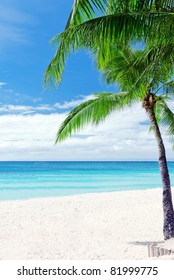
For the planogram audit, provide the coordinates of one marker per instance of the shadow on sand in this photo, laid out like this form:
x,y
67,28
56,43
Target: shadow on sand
x,y
145,243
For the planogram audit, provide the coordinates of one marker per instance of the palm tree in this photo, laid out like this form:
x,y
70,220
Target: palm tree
x,y
100,25
105,23
126,67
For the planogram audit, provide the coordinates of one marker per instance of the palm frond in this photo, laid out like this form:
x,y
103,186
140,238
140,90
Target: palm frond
x,y
93,111
162,61
166,118
104,32
158,111
83,10
125,67
53,73
152,66
168,88
136,5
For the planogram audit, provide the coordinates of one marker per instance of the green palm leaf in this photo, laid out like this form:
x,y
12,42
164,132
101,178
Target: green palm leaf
x,y
125,67
165,116
168,119
122,21
83,10
168,88
103,32
93,111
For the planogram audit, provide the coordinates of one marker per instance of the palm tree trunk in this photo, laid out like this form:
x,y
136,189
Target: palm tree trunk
x,y
168,227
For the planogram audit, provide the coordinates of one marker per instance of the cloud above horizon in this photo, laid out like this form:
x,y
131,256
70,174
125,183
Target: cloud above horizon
x,y
123,136
41,108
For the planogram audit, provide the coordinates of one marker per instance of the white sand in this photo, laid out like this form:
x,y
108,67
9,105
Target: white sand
x,y
99,226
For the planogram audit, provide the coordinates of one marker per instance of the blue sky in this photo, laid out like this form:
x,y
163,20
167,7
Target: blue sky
x,y
30,115
25,52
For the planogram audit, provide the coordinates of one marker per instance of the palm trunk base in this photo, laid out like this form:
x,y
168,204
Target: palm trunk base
x,y
168,228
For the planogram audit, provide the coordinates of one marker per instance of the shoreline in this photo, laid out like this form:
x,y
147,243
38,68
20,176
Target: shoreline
x,y
100,226
81,194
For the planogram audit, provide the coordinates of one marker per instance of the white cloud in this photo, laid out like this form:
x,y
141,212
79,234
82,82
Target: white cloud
x,y
22,109
2,84
73,103
120,137
13,108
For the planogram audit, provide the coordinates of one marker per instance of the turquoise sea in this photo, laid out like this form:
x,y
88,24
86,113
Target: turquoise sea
x,y
21,180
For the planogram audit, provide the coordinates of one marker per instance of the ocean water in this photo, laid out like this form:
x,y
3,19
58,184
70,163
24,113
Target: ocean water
x,y
22,180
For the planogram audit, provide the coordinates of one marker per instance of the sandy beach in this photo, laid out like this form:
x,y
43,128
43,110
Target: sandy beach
x,y
116,225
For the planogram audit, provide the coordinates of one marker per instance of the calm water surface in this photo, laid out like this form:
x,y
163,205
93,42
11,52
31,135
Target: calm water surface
x,y
20,180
